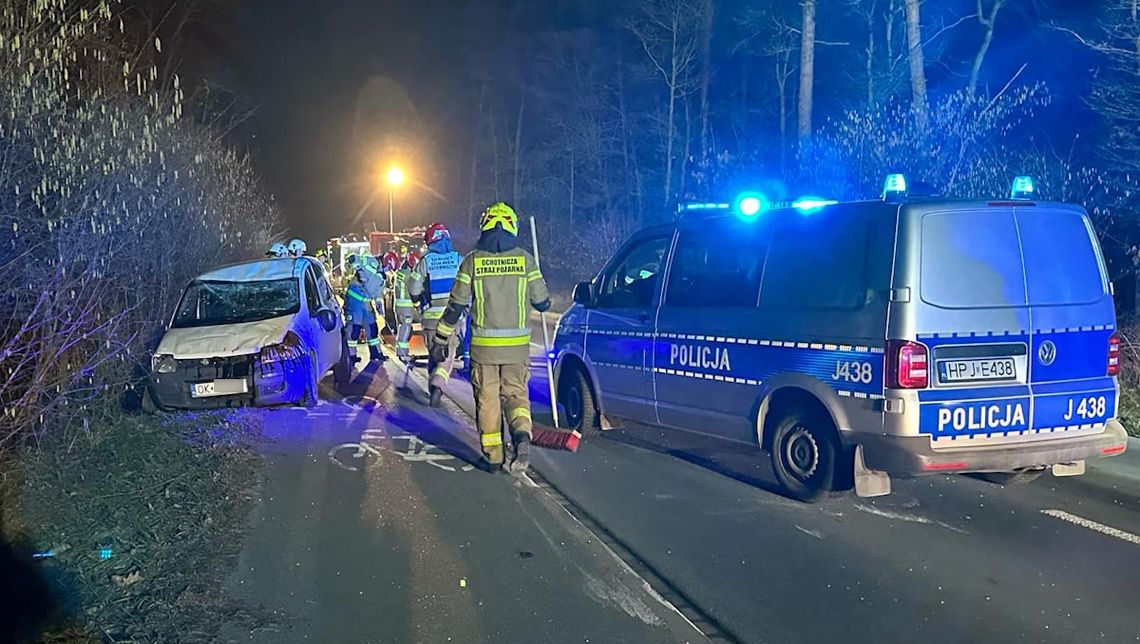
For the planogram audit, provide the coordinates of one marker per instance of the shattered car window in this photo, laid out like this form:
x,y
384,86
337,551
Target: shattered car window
x,y
214,303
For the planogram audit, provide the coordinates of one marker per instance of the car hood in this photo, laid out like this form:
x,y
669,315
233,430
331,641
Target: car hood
x,y
224,340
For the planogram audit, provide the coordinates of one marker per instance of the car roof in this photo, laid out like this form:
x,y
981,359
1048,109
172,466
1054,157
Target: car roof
x,y
257,270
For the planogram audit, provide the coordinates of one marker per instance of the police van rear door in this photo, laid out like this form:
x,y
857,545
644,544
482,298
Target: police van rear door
x,y
1015,312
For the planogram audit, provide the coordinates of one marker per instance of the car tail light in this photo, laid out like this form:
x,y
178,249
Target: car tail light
x,y
1114,355
907,365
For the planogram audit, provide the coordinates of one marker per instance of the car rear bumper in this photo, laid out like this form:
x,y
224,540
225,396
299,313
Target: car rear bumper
x,y
913,455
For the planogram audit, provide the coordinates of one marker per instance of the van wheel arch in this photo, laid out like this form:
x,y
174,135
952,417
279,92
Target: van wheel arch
x,y
573,367
773,404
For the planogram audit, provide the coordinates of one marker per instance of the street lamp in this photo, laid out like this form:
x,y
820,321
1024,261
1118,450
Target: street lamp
x,y
395,177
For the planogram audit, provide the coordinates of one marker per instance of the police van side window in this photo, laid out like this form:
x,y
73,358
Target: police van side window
x,y
632,280
719,268
817,263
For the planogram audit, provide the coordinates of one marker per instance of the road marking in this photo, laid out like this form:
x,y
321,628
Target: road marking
x,y
1093,525
903,516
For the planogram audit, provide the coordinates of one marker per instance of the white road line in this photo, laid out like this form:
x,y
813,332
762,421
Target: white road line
x,y
1093,525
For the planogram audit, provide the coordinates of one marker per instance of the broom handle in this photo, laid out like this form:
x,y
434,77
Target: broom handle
x,y
545,333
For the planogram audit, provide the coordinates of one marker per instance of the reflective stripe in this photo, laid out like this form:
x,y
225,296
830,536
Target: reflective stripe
x,y
533,275
406,303
353,294
444,329
433,314
500,333
373,342
463,277
478,303
520,341
491,440
403,345
443,372
522,303
517,413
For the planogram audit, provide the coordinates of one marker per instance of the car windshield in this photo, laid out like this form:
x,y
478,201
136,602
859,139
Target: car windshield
x,y
214,303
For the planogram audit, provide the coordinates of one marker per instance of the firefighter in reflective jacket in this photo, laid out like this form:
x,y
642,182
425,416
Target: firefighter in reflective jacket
x,y
405,306
499,282
360,314
431,284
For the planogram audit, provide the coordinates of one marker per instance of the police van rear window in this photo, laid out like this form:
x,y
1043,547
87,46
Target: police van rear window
x,y
997,258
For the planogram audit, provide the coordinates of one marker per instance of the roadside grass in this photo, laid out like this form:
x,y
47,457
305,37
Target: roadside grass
x,y
143,521
1130,378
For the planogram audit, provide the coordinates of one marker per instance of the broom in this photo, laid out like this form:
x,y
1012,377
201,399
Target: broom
x,y
550,437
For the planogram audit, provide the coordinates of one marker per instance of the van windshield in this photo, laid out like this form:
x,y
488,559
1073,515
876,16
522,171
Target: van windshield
x,y
214,303
996,258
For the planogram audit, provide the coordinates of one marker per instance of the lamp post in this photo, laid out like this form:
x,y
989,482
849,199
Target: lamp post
x,y
395,177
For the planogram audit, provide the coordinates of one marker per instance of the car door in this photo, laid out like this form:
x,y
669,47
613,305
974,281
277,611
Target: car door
x,y
705,377
619,339
328,342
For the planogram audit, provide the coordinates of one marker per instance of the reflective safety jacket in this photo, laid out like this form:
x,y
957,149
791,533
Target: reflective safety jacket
x,y
432,280
358,305
401,299
372,276
500,289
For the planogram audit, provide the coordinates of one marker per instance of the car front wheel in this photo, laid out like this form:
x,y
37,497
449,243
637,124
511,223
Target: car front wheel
x,y
579,409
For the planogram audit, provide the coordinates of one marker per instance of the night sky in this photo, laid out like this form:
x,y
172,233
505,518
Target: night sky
x,y
341,87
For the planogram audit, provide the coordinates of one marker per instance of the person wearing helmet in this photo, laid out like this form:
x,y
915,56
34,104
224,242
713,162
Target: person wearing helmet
x,y
297,248
277,250
405,307
360,315
370,276
497,281
431,285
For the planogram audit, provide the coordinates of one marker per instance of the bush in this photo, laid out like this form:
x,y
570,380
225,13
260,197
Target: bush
x,y
109,202
1129,405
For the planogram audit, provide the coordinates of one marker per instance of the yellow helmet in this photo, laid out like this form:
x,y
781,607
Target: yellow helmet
x,y
500,213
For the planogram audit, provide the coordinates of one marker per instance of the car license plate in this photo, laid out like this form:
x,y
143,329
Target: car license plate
x,y
977,370
225,387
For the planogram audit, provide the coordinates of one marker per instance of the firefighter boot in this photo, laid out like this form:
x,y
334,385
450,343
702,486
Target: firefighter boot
x,y
435,394
522,455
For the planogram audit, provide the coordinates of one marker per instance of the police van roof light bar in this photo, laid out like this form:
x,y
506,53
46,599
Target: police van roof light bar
x,y
894,187
683,208
1023,188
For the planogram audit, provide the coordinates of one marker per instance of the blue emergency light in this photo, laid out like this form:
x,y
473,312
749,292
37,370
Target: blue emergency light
x,y
894,187
1023,188
703,207
809,205
750,204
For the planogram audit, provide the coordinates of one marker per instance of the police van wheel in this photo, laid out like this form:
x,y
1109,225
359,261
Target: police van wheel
x,y
1019,477
577,398
804,451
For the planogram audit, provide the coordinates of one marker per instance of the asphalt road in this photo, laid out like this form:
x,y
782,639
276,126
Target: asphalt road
x,y
378,554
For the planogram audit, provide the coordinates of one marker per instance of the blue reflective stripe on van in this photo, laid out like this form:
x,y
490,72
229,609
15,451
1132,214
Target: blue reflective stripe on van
x,y
851,370
972,393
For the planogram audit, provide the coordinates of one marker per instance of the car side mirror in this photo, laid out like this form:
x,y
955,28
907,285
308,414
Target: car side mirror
x,y
327,319
584,294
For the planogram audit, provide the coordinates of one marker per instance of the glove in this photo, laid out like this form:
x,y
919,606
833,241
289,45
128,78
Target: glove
x,y
438,350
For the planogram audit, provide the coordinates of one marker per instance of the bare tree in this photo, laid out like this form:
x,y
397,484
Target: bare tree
x,y
917,66
807,69
670,33
987,20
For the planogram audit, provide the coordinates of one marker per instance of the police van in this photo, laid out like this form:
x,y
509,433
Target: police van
x,y
856,341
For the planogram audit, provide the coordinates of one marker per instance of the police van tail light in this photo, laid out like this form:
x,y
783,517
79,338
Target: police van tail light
x,y
907,365
1114,355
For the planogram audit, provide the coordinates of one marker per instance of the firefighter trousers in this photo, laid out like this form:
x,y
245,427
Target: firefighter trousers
x,y
440,372
373,336
499,388
404,319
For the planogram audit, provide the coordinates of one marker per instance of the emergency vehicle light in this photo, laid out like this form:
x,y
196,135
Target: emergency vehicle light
x,y
894,186
1023,188
700,207
750,204
808,205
